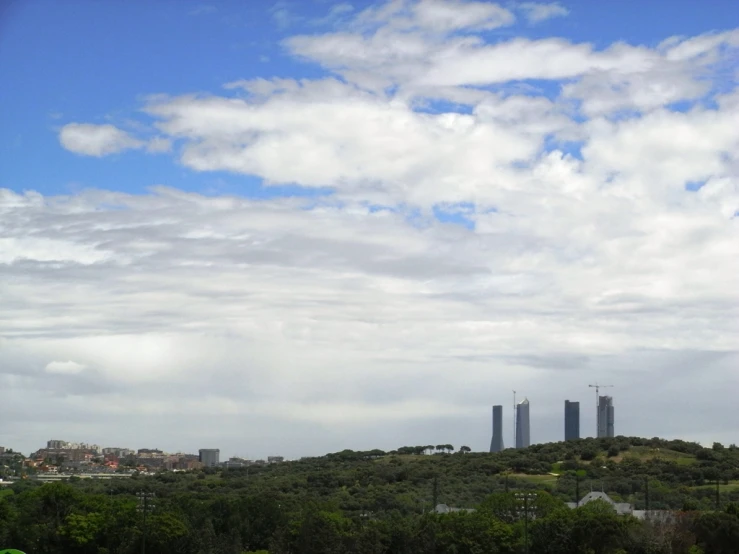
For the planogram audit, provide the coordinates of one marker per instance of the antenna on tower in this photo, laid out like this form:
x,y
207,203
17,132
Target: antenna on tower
x,y
597,388
514,419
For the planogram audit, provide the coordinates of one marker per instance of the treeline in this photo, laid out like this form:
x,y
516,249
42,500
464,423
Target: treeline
x,y
60,518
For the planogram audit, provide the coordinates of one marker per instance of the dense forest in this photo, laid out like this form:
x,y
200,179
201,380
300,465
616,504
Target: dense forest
x,y
383,502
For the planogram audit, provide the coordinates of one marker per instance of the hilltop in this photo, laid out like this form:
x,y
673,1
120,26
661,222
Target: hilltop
x,y
679,474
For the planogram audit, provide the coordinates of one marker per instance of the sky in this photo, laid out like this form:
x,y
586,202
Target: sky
x,y
291,228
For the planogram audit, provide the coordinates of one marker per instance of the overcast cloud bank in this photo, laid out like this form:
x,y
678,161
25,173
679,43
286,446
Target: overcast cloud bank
x,y
528,214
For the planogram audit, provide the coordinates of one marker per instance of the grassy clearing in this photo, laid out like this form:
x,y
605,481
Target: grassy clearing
x,y
645,453
536,479
731,487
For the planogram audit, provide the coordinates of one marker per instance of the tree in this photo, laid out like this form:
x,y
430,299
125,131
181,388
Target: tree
x,y
465,449
717,532
82,529
167,533
472,533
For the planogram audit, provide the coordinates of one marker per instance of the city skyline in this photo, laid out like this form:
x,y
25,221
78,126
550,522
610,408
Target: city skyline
x,y
605,418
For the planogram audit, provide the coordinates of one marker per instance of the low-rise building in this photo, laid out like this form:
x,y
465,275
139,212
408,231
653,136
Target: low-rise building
x,y
61,455
444,509
236,462
622,508
117,451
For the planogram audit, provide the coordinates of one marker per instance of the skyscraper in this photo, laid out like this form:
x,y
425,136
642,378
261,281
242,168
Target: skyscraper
x,y
605,416
572,420
496,444
523,429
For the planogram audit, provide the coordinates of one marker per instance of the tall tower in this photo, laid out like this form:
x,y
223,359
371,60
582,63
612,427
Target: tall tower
x,y
496,444
523,428
606,417
572,420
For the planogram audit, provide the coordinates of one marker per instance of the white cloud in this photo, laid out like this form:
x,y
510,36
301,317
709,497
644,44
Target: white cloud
x,y
64,368
283,14
336,14
435,16
159,144
538,12
450,15
96,140
680,75
586,256
47,249
289,311
309,137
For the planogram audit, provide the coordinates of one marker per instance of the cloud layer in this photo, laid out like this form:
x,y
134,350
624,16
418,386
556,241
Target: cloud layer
x,y
515,213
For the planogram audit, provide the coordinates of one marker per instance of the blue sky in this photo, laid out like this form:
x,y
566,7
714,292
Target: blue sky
x,y
298,227
95,61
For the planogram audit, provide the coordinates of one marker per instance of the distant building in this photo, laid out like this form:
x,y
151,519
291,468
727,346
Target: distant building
x,y
621,508
572,420
235,462
56,445
605,417
444,509
62,455
275,459
523,426
209,457
496,444
117,451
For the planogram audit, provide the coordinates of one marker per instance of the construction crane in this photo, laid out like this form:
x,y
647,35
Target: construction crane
x,y
597,388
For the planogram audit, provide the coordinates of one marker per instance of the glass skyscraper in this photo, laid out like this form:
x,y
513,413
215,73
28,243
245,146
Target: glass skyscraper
x,y
496,444
572,420
606,416
523,427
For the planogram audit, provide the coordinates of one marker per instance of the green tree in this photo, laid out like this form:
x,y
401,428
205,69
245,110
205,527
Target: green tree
x,y
717,532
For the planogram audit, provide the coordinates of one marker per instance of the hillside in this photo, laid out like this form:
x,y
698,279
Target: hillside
x,y
381,503
678,473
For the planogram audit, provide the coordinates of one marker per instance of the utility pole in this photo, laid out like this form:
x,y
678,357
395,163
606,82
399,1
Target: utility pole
x,y
145,504
525,497
718,495
646,492
514,419
435,493
597,388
